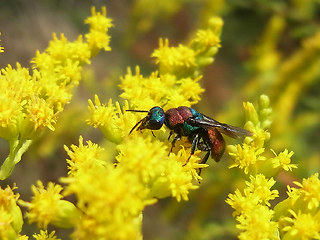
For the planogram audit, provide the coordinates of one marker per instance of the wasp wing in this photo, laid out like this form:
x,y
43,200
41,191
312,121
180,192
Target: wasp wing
x,y
231,131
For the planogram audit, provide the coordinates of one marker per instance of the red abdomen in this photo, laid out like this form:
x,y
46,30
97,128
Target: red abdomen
x,y
217,144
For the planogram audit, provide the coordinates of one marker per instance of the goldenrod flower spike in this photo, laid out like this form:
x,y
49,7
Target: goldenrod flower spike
x,y
172,59
283,160
301,226
114,122
299,213
255,219
10,214
44,235
110,198
47,206
32,99
98,38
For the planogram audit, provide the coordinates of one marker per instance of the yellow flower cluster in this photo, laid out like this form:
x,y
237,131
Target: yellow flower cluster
x,y
252,209
296,217
111,186
164,89
109,195
44,235
47,207
10,214
299,214
186,60
144,168
99,24
249,156
112,190
32,99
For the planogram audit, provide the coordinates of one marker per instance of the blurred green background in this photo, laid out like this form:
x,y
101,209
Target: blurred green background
x,y
268,47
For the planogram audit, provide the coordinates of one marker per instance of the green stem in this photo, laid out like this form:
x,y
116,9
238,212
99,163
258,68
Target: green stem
x,y
17,148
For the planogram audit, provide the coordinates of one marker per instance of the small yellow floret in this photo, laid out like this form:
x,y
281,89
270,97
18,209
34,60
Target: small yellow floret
x,y
44,202
98,38
84,156
245,157
258,224
44,235
303,226
310,191
261,186
172,57
283,160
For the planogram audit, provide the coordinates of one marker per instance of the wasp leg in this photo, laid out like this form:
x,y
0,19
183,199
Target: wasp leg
x,y
171,132
204,160
203,146
194,144
173,143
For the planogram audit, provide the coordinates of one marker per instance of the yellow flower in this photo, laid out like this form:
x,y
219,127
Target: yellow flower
x,y
99,26
31,101
303,226
143,92
207,38
242,203
245,157
144,169
23,237
17,87
249,155
283,160
172,59
114,122
111,200
206,42
261,186
44,235
257,224
6,229
10,214
47,207
10,114
176,180
257,192
179,181
84,156
40,113
164,173
147,92
147,164
310,191
258,122
185,84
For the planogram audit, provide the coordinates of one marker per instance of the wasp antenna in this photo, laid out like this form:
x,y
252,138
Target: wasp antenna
x,y
135,126
132,110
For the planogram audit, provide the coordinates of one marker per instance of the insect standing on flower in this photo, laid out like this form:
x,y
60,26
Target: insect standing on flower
x,y
204,133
